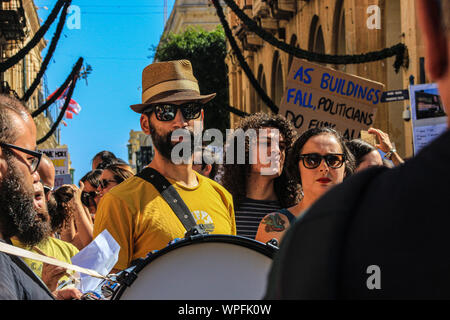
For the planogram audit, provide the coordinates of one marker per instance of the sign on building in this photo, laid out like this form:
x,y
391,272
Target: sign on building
x,y
318,96
428,116
59,158
62,179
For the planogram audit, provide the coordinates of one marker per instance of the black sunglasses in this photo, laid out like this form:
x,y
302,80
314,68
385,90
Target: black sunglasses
x,y
104,183
87,198
168,111
313,160
33,164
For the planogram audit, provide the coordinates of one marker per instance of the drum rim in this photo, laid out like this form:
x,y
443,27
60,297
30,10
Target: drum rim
x,y
258,246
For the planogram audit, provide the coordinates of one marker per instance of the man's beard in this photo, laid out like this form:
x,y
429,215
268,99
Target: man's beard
x,y
164,144
18,216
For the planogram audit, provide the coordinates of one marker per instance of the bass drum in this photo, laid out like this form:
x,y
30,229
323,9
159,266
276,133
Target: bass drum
x,y
205,267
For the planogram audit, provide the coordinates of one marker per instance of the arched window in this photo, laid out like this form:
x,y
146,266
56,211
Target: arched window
x,y
277,79
316,40
293,43
260,105
339,40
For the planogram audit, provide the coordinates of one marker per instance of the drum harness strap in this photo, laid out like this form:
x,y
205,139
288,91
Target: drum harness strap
x,y
178,206
173,199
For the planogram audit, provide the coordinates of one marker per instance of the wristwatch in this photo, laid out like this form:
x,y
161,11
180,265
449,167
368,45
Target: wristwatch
x,y
390,153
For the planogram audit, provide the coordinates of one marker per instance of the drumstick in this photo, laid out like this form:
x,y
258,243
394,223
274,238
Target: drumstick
x,y
4,247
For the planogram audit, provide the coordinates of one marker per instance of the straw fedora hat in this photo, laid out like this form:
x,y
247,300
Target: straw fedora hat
x,y
169,81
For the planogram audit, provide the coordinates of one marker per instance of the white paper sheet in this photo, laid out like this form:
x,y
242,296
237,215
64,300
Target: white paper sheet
x,y
100,255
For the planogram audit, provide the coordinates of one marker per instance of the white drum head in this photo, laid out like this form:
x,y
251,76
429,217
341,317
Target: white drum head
x,y
203,271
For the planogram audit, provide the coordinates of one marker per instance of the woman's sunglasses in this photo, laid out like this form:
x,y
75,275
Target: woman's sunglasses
x,y
313,160
168,111
105,183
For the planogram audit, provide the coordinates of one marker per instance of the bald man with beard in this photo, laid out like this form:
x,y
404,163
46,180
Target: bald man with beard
x,y
20,216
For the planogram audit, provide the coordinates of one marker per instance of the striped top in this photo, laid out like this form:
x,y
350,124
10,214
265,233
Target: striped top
x,y
249,214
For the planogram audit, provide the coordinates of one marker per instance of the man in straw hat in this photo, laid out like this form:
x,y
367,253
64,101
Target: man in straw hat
x,y
134,212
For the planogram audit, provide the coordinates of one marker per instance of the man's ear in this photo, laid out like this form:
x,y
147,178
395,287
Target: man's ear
x,y
145,124
434,37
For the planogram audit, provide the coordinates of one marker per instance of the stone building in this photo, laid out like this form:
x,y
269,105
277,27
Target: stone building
x,y
334,27
187,13
19,22
140,150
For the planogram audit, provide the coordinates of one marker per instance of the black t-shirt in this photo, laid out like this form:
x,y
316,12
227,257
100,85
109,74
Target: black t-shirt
x,y
381,234
15,284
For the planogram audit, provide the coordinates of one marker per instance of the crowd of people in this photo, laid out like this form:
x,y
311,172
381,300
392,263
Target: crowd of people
x,y
239,201
304,188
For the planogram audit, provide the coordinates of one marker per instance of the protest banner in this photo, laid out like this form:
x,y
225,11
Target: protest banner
x,y
60,159
318,96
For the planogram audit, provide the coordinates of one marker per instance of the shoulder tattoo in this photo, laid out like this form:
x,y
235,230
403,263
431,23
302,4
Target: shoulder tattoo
x,y
274,223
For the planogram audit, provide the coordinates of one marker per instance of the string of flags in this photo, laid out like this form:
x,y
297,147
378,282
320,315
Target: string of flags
x,y
73,108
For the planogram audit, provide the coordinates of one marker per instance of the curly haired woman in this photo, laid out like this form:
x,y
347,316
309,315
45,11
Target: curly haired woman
x,y
257,187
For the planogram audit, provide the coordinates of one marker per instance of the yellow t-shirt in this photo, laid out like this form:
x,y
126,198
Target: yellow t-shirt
x,y
141,221
52,247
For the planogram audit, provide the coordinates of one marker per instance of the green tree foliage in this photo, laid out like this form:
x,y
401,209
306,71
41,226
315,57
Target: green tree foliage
x,y
206,50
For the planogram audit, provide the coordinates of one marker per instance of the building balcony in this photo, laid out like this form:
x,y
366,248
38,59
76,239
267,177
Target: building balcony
x,y
12,20
282,9
249,40
260,8
6,89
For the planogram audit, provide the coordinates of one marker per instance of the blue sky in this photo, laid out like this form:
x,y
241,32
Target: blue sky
x,y
114,38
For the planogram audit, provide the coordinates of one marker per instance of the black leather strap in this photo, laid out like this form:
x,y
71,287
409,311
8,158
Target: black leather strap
x,y
172,198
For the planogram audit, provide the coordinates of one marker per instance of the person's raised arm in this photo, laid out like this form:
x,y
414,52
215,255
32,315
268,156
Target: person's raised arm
x,y
385,145
83,221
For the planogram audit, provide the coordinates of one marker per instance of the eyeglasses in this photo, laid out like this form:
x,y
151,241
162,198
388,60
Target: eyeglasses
x,y
168,111
105,183
33,163
313,160
87,198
